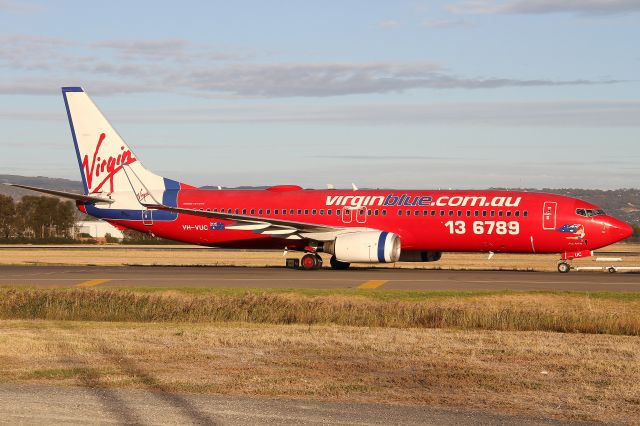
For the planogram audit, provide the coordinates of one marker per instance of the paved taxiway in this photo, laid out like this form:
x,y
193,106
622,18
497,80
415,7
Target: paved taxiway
x,y
239,277
34,404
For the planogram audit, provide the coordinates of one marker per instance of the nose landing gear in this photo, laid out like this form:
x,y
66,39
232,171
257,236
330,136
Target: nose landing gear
x,y
563,267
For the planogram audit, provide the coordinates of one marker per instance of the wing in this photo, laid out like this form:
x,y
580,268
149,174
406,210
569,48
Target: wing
x,y
262,225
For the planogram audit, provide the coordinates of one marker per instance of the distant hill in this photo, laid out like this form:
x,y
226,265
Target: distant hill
x,y
621,203
41,181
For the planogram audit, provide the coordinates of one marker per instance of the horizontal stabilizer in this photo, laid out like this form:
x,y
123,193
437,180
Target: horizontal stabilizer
x,y
69,195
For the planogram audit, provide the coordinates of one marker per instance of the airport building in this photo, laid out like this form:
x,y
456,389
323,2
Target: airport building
x,y
97,229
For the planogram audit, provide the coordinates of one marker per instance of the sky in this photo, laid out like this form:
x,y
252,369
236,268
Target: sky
x,y
394,94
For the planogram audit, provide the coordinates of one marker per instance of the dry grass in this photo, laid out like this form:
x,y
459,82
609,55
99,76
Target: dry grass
x,y
570,376
104,256
558,312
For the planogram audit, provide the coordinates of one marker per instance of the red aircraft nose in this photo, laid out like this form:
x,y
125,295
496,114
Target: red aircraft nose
x,y
618,230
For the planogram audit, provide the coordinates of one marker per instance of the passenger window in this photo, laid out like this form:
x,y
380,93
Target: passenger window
x,y
260,212
442,213
468,213
313,212
399,212
237,211
459,212
493,213
329,212
384,212
291,212
508,214
518,213
369,212
244,211
338,212
306,211
500,213
484,213
276,212
229,211
416,213
208,210
376,212
268,211
433,212
450,212
526,213
321,212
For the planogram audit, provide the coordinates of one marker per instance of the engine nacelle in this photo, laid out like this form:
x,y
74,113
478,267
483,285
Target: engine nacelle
x,y
365,247
420,256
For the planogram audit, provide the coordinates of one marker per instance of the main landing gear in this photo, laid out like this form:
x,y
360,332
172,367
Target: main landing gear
x,y
311,261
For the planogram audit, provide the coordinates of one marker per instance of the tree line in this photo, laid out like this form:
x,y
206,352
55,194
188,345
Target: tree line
x,y
40,219
36,218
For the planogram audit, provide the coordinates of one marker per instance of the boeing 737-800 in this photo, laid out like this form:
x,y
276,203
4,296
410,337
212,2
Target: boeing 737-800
x,y
370,226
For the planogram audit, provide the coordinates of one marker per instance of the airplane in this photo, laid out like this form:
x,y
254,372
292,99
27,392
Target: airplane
x,y
353,226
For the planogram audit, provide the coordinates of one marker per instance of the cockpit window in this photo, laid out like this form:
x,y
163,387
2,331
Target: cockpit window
x,y
589,212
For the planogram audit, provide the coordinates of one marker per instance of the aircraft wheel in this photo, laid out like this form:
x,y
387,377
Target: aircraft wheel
x,y
309,261
563,267
336,264
612,270
318,261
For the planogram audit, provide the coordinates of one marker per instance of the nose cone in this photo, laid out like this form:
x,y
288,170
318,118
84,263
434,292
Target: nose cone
x,y
618,230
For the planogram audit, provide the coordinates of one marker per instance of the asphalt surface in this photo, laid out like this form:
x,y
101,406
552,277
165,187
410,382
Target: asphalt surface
x,y
239,277
37,404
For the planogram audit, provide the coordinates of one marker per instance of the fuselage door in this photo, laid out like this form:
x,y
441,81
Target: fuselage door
x,y
147,217
347,215
549,215
361,215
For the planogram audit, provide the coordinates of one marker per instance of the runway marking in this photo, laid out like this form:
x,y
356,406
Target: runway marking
x,y
91,283
373,284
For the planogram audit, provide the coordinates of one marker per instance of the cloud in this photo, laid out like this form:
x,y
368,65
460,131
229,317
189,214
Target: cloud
x,y
582,7
591,113
339,79
389,24
21,7
169,49
447,23
180,66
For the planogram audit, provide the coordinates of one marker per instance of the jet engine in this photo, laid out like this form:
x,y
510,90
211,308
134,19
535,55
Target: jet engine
x,y
365,247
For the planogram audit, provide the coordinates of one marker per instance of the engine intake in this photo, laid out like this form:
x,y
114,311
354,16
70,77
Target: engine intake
x,y
365,247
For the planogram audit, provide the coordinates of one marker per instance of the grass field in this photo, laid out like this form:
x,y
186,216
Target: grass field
x,y
568,376
562,312
105,256
567,355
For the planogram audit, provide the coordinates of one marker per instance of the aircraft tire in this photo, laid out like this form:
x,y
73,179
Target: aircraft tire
x,y
309,261
336,264
563,267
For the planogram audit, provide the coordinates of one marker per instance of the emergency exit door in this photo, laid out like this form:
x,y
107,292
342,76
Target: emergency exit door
x,y
549,215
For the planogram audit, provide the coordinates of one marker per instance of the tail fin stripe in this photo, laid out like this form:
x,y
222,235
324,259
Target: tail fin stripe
x,y
73,132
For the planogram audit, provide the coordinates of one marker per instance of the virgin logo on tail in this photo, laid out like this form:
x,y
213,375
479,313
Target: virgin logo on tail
x,y
105,168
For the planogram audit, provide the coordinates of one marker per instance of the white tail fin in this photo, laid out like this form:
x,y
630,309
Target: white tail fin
x,y
100,149
102,154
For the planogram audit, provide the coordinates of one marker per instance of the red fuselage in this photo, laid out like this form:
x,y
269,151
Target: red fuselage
x,y
429,220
